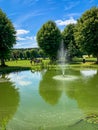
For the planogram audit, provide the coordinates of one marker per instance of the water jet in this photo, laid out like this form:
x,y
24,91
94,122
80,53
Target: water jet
x,y
62,63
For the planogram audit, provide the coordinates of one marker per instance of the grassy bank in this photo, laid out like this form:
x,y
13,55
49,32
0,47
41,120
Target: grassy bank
x,y
26,65
15,66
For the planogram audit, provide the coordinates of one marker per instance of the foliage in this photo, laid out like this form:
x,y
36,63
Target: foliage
x,y
27,54
21,56
69,41
49,39
7,36
42,54
15,54
24,54
34,53
86,34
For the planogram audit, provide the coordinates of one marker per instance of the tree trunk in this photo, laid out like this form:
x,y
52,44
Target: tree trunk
x,y
2,62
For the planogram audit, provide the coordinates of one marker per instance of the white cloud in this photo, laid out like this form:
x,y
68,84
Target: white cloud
x,y
26,42
29,38
20,38
22,31
25,39
66,22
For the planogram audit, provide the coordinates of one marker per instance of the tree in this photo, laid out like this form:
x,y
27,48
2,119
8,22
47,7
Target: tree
x,y
21,56
27,53
34,53
49,39
42,54
7,37
69,41
87,31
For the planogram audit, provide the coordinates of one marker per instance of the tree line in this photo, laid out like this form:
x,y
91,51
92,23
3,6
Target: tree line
x,y
25,54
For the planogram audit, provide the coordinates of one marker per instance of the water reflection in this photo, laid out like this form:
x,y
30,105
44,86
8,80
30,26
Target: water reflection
x,y
88,72
84,89
49,89
85,92
9,100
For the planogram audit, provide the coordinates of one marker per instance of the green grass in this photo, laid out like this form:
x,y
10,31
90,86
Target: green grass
x,y
22,63
16,66
88,59
25,65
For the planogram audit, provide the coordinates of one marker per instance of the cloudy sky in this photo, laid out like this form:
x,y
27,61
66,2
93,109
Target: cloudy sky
x,y
29,15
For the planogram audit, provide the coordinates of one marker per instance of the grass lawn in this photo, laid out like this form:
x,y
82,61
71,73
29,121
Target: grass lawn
x,y
16,66
22,65
19,63
26,65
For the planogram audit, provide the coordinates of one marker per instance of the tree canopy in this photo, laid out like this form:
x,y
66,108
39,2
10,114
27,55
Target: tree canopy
x,y
7,36
86,34
49,39
69,41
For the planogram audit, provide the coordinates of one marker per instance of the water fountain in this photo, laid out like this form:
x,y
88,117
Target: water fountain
x,y
62,63
62,58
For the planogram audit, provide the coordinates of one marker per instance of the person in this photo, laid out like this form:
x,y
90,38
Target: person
x,y
31,61
84,60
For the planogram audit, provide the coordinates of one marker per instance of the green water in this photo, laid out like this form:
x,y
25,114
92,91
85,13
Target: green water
x,y
38,101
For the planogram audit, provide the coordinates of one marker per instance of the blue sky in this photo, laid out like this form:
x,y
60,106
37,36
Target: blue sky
x,y
29,15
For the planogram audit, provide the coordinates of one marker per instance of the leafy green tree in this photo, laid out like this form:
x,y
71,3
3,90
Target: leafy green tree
x,y
21,56
15,54
86,34
49,39
7,37
42,54
69,41
27,53
34,53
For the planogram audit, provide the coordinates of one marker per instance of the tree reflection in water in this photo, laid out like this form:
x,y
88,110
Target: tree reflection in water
x,y
9,100
49,89
85,92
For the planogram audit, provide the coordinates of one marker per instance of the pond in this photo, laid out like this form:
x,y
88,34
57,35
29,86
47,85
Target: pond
x,y
43,101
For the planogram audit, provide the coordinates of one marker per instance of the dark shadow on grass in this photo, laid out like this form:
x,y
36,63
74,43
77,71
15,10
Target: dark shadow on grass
x,y
8,69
